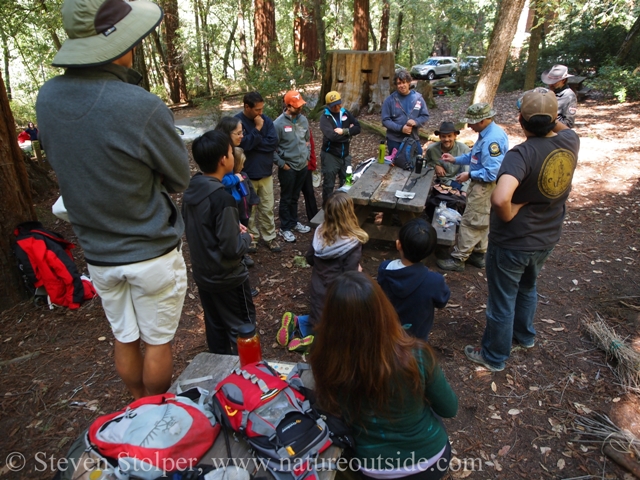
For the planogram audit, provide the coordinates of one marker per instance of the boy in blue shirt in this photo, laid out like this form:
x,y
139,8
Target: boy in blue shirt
x,y
411,287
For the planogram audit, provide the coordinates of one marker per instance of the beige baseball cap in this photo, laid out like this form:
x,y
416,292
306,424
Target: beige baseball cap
x,y
100,31
539,101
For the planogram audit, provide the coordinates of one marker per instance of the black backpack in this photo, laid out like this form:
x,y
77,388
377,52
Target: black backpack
x,y
407,153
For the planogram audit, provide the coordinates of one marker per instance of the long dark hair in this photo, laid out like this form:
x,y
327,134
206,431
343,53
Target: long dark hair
x,y
361,351
227,125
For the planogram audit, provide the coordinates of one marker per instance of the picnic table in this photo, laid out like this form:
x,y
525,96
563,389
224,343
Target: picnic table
x,y
206,370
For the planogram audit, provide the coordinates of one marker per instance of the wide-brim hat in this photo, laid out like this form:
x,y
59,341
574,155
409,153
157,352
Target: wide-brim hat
x,y
478,112
447,127
100,31
555,74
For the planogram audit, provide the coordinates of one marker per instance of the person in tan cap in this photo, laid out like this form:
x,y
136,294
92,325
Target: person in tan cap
x,y
526,222
116,178
556,79
292,157
338,126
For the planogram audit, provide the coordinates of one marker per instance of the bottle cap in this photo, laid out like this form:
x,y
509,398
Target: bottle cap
x,y
381,142
246,330
349,170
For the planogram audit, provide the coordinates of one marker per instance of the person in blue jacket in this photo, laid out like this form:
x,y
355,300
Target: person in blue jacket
x,y
404,112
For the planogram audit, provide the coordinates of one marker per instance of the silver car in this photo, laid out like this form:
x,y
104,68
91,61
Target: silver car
x,y
435,67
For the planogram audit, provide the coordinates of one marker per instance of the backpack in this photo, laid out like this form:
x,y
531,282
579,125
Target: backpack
x,y
274,418
407,154
45,260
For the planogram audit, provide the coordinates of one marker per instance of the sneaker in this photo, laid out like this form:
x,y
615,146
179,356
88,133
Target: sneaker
x,y
253,248
274,246
300,344
287,235
285,332
301,228
248,261
451,264
522,345
477,260
475,355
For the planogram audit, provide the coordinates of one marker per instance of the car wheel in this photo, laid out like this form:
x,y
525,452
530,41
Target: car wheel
x,y
453,74
431,75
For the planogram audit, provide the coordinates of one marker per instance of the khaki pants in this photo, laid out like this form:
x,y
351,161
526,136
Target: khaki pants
x,y
473,235
261,220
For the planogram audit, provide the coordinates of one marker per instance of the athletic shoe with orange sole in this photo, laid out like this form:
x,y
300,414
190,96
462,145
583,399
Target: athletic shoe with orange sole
x,y
285,332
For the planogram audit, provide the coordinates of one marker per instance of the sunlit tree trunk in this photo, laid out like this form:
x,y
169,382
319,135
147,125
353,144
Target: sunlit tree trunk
x,y
396,41
265,47
5,57
384,25
305,35
15,202
534,49
242,38
360,25
498,52
176,75
628,42
227,50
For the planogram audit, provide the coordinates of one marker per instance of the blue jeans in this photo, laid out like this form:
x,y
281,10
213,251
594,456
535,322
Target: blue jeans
x,y
511,306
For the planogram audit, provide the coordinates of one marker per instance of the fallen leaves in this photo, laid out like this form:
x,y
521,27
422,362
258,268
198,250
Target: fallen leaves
x,y
514,411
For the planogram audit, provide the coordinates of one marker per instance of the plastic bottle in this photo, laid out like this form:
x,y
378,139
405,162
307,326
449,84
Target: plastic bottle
x,y
382,151
349,180
249,349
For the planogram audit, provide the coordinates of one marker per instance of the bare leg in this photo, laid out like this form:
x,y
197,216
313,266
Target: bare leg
x,y
158,368
129,362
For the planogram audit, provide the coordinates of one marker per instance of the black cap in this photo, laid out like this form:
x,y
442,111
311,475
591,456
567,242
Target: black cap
x,y
246,330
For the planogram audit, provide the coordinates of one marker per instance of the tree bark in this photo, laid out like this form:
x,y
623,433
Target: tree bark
x,y
384,25
140,66
374,41
499,48
227,50
265,46
360,25
242,38
196,14
5,56
396,41
15,202
441,46
318,9
628,42
164,66
175,66
305,35
534,49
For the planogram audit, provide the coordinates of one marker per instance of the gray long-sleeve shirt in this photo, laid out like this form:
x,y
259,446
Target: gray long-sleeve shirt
x,y
293,141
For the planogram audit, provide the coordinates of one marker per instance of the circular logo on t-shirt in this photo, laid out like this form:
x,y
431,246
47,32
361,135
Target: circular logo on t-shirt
x,y
556,173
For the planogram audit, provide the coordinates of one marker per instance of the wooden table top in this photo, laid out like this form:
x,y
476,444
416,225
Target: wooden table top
x,y
378,185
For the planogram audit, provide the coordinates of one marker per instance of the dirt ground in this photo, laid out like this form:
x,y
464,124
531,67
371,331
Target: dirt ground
x,y
518,423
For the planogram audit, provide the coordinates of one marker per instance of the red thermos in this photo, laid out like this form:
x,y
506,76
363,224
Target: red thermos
x,y
248,344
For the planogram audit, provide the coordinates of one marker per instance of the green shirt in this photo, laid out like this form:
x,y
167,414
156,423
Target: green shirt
x,y
434,152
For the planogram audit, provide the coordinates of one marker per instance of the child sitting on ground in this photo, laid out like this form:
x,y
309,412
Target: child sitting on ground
x,y
217,243
413,289
336,248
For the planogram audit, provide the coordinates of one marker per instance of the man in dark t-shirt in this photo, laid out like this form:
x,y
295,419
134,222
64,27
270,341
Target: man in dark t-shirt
x,y
528,207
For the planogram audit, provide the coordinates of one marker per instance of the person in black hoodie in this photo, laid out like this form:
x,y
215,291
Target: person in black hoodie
x,y
411,287
217,244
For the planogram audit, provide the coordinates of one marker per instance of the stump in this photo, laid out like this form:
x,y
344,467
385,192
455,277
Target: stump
x,y
364,79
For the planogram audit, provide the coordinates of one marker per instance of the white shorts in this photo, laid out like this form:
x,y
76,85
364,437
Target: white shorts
x,y
143,300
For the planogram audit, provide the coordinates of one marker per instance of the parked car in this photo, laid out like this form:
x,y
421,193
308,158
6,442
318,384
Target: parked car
x,y
472,64
435,67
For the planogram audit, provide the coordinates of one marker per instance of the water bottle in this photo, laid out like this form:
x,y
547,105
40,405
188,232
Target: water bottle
x,y
249,349
382,151
349,180
419,164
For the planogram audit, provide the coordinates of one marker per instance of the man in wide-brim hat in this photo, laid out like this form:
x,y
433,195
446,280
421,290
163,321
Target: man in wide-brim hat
x,y
445,171
484,161
556,79
117,156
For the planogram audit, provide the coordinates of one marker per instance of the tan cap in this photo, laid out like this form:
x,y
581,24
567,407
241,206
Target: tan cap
x,y
539,101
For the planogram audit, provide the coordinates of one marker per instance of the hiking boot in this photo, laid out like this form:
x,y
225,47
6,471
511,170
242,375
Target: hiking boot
x,y
274,246
301,228
285,332
253,248
248,261
477,260
475,355
300,344
287,235
451,264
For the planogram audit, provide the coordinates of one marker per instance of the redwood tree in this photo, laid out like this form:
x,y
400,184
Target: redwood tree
x,y
499,47
265,47
305,34
176,77
361,25
15,201
384,25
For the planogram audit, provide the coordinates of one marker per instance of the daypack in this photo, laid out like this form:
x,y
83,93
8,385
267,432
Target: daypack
x,y
45,260
152,436
407,153
274,418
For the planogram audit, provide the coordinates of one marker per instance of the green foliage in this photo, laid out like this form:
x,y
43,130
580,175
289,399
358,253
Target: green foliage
x,y
513,75
23,113
619,81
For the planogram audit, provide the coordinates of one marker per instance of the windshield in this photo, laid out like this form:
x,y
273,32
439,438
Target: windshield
x,y
431,61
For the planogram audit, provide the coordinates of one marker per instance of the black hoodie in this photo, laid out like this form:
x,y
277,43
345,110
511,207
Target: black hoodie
x,y
414,291
213,233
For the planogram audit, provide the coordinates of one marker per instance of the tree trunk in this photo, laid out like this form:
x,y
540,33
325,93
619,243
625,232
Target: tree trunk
x,y
243,39
227,50
140,66
374,41
318,9
305,35
5,56
441,46
499,47
396,41
628,42
15,202
196,12
265,46
176,76
384,25
360,24
534,49
164,67
52,31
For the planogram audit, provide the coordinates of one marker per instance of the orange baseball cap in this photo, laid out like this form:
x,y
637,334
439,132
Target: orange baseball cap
x,y
294,99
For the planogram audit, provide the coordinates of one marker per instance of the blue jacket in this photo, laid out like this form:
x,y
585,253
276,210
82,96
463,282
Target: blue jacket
x,y
394,117
258,146
486,156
